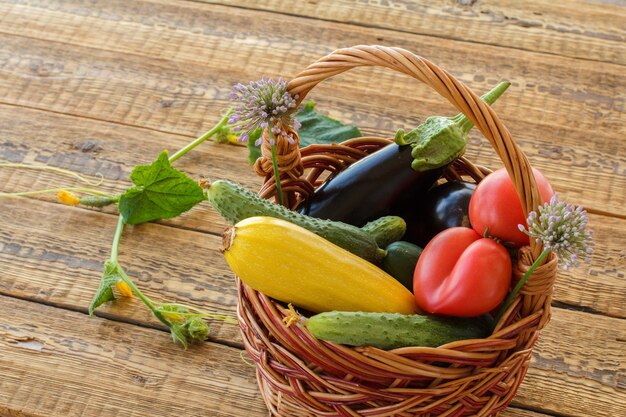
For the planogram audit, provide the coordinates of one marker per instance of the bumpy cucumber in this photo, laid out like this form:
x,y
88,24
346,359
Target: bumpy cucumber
x,y
400,262
386,230
235,203
391,331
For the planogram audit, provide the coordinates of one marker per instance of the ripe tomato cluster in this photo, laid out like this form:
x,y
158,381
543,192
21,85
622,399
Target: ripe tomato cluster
x,y
466,272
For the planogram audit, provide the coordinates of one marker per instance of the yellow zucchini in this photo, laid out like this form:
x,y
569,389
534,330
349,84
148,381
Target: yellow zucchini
x,y
293,265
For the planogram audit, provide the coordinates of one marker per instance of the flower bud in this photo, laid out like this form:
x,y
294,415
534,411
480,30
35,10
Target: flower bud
x,y
124,289
68,197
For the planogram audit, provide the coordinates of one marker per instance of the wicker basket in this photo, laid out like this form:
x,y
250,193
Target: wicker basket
x,y
302,376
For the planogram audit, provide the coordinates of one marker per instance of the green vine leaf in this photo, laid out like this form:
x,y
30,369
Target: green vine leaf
x,y
104,294
179,336
160,192
319,128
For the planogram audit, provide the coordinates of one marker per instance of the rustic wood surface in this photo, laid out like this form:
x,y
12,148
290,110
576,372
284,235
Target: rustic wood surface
x,y
98,87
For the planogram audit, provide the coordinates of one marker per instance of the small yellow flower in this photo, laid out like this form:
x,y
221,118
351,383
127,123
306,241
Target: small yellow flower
x,y
67,197
173,317
234,140
124,289
171,312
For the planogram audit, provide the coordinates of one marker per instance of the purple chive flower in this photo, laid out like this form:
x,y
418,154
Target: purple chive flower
x,y
562,228
263,103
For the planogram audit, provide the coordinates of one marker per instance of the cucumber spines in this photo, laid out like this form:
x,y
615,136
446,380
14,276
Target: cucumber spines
x,y
391,331
386,230
235,203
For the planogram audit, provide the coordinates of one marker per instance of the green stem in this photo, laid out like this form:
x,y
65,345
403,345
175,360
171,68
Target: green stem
x,y
203,137
279,188
520,284
116,238
126,278
196,312
466,124
142,297
54,169
56,190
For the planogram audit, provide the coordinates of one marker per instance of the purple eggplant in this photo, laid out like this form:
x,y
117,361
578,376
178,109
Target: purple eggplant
x,y
402,171
442,207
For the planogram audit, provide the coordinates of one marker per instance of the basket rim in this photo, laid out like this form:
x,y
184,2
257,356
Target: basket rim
x,y
449,87
302,376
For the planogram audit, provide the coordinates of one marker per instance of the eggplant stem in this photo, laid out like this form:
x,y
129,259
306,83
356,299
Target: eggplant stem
x,y
466,124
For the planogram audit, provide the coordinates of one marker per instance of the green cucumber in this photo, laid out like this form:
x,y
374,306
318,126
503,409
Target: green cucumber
x,y
386,230
235,203
400,261
391,331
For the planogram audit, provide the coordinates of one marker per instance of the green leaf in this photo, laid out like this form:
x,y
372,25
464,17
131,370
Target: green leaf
x,y
105,294
318,128
160,192
192,330
196,329
179,335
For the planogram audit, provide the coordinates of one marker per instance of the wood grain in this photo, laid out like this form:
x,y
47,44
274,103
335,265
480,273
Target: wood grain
x,y
103,86
574,28
92,147
588,354
598,287
55,362
52,254
174,73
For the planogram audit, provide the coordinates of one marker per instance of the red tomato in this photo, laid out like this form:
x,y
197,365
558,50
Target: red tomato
x,y
461,274
495,205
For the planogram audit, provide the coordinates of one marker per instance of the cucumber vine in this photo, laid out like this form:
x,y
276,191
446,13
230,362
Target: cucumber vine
x,y
159,191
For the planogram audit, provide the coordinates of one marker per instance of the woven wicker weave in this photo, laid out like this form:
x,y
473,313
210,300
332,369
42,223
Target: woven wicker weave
x,y
302,376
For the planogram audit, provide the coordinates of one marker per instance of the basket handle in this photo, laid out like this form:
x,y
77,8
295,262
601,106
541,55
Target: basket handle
x,y
461,97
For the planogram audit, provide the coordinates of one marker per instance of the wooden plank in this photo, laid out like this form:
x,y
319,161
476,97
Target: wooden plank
x,y
51,254
559,380
93,147
71,366
114,151
589,285
34,247
173,77
590,374
54,254
519,412
55,362
575,28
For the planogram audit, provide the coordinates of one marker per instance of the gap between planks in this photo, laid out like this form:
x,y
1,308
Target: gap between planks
x,y
133,374
591,210
572,152
595,286
361,23
95,119
110,315
366,25
99,367
594,373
